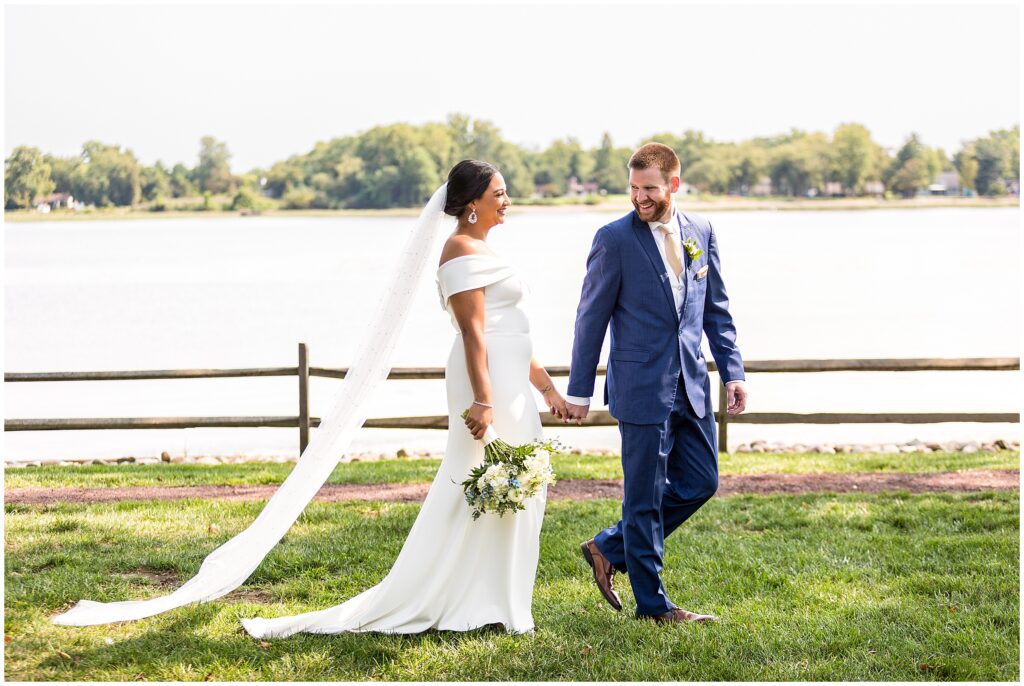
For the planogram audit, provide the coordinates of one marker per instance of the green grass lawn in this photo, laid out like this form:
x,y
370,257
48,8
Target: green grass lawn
x,y
409,471
811,587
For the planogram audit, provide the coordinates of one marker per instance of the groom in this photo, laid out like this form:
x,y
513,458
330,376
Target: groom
x,y
654,275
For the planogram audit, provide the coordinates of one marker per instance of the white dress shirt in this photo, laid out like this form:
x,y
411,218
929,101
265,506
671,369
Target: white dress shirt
x,y
676,283
659,238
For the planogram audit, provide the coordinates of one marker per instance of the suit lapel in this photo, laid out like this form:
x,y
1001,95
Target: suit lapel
x,y
687,229
643,234
684,278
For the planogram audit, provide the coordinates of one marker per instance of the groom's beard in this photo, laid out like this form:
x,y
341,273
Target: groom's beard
x,y
659,210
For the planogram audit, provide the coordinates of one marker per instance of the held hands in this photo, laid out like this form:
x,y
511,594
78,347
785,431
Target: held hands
x,y
736,394
575,413
478,419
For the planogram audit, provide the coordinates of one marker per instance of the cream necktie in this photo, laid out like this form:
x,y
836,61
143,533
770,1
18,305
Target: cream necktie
x,y
672,250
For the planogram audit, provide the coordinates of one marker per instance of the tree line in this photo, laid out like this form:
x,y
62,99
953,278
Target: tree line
x,y
399,165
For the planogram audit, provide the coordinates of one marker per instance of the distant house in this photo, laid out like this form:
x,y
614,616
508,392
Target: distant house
x,y
762,187
833,188
574,187
874,188
946,183
546,190
55,201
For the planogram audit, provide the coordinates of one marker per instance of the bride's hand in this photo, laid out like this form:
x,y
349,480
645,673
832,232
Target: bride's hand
x,y
478,419
555,402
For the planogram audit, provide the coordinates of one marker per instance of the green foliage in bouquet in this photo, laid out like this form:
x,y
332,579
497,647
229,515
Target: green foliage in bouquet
x,y
509,475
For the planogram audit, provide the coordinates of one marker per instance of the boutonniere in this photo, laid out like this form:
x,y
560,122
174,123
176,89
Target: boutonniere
x,y
691,248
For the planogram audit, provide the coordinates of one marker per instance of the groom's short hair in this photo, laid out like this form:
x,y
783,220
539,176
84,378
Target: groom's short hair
x,y
658,156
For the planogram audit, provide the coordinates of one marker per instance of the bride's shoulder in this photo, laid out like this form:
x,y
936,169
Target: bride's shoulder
x,y
467,264
463,246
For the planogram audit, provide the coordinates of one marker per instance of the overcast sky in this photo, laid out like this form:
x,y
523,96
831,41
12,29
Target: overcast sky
x,y
271,81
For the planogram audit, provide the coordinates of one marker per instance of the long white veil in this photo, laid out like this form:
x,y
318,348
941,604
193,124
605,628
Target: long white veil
x,y
227,567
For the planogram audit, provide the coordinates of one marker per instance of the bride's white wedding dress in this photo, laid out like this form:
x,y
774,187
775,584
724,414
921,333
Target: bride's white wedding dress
x,y
454,573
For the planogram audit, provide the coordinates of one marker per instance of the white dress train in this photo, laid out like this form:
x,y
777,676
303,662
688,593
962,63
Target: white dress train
x,y
454,573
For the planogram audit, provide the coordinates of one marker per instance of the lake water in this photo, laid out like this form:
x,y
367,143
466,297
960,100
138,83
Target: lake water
x,y
243,291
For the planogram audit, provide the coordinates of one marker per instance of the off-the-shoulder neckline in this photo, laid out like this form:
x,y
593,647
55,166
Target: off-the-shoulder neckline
x,y
462,257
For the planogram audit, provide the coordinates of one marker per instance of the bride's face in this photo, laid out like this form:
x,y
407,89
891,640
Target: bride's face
x,y
493,204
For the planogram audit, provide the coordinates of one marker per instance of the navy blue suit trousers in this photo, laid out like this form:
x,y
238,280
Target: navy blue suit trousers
x,y
670,470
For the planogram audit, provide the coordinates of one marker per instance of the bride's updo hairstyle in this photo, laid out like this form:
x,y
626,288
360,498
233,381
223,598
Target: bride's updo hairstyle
x,y
467,181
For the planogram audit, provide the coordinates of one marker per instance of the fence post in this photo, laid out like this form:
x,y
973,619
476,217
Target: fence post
x,y
723,420
303,398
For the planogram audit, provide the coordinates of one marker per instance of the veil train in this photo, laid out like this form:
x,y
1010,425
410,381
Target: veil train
x,y
227,567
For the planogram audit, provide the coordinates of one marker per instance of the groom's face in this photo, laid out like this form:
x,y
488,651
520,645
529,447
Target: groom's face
x,y
651,193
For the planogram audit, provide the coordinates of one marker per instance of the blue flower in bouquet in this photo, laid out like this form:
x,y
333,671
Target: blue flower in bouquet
x,y
509,475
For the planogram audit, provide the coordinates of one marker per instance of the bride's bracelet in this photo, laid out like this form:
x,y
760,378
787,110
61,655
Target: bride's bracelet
x,y
477,402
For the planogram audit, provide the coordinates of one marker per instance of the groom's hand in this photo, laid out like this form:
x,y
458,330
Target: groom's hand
x,y
576,412
736,393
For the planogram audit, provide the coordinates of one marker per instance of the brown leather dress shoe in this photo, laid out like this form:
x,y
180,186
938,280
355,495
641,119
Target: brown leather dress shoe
x,y
679,615
604,573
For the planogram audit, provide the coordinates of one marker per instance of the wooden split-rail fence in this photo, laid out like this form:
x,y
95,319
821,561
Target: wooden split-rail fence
x,y
304,421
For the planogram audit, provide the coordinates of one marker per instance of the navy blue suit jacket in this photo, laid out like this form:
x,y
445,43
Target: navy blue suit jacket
x,y
651,343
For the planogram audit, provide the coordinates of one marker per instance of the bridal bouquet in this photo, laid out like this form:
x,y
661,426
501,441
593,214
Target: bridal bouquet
x,y
508,475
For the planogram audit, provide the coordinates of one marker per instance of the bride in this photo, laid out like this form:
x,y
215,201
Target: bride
x,y
453,573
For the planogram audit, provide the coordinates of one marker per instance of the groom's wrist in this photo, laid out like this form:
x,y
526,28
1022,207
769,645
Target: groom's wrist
x,y
577,400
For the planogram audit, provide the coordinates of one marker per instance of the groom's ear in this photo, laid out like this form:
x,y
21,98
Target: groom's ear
x,y
673,183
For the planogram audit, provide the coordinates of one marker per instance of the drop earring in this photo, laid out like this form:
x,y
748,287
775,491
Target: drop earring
x,y
472,217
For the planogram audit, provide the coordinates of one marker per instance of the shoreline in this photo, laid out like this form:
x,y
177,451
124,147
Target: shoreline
x,y
723,205
756,446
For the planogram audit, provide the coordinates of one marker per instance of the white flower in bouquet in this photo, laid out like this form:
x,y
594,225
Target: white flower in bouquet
x,y
509,474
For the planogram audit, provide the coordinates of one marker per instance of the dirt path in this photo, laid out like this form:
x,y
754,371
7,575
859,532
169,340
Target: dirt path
x,y
577,489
